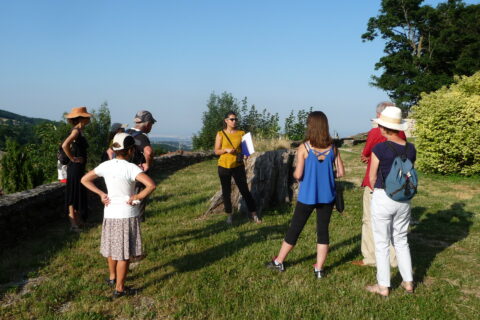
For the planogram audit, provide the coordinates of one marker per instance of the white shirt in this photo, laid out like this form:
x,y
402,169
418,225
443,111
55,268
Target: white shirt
x,y
119,177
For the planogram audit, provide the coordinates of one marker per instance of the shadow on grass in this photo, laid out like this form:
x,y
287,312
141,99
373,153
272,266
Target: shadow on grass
x,y
197,261
22,261
346,258
435,233
345,185
27,255
192,235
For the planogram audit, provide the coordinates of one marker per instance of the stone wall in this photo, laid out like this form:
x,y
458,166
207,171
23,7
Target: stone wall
x,y
31,209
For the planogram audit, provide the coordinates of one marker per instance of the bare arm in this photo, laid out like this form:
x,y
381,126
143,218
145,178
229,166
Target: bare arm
x,y
218,146
149,187
66,147
339,165
110,153
148,154
87,181
302,153
373,169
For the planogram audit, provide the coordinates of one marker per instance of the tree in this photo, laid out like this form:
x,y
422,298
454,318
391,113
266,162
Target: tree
x,y
43,154
447,126
295,126
425,46
97,134
217,107
261,125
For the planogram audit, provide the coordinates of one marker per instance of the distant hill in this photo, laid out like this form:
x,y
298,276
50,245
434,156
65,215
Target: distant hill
x,y
5,116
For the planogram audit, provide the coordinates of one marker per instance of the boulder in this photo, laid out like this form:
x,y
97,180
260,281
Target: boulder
x,y
270,180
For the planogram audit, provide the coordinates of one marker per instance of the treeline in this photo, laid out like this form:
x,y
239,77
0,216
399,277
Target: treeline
x,y
262,124
425,46
30,160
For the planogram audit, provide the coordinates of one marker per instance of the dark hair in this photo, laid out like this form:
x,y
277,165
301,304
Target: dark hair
x,y
317,130
75,121
227,115
124,152
112,134
389,131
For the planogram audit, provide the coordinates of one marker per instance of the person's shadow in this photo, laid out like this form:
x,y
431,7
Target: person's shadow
x,y
434,234
196,261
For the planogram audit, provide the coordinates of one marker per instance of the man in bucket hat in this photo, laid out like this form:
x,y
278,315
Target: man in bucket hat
x,y
143,156
368,247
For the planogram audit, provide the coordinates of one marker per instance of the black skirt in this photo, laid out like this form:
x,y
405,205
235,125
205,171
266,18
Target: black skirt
x,y
76,193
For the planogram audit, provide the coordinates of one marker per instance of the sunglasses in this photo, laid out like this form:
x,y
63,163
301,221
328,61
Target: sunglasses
x,y
233,119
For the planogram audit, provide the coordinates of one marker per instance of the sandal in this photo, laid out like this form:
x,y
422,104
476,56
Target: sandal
x,y
110,282
408,286
384,292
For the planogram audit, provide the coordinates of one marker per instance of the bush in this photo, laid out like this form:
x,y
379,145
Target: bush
x,y
447,128
17,172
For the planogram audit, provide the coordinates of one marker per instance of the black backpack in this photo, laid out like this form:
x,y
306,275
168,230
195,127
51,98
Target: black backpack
x,y
62,156
138,157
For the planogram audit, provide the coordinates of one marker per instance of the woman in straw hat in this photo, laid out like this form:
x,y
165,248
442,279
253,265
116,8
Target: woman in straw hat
x,y
390,218
75,147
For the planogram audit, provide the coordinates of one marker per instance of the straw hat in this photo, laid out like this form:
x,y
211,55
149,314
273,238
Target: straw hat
x,y
78,112
391,118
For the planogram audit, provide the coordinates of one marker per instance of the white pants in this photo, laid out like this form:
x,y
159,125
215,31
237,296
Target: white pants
x,y
390,220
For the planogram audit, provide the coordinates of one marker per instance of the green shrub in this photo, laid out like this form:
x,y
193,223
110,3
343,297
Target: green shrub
x,y
447,127
17,170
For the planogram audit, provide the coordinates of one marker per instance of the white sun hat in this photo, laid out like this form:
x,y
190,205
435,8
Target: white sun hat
x,y
391,118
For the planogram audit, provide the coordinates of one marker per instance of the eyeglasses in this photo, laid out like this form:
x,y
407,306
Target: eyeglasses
x,y
233,119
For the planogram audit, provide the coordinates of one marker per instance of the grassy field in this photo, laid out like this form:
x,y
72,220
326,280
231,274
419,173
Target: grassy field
x,y
204,269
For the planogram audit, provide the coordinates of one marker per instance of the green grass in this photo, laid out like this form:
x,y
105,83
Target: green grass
x,y
203,269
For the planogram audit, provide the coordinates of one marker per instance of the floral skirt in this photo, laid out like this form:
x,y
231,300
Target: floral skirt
x,y
121,239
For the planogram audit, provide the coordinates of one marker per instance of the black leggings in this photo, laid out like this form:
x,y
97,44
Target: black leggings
x,y
240,178
300,217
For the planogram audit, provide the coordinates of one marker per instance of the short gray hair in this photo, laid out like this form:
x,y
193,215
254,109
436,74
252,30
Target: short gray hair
x,y
382,105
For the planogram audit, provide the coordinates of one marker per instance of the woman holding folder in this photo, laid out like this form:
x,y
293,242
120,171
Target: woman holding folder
x,y
230,164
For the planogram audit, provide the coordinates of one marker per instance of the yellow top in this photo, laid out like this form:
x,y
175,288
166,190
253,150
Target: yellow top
x,y
228,160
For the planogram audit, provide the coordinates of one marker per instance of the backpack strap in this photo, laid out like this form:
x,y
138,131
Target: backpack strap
x,y
134,133
395,151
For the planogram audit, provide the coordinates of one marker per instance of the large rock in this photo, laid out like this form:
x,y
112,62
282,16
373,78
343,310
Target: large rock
x,y
270,180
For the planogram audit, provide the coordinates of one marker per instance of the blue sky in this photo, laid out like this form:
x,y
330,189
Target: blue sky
x,y
169,56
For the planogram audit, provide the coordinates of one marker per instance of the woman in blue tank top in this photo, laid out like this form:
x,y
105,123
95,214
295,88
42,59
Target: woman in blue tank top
x,y
316,158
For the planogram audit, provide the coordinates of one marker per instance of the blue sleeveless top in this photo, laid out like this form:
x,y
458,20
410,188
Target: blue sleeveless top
x,y
318,183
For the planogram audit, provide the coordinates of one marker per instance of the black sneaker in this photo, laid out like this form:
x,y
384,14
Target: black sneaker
x,y
272,265
126,292
319,274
